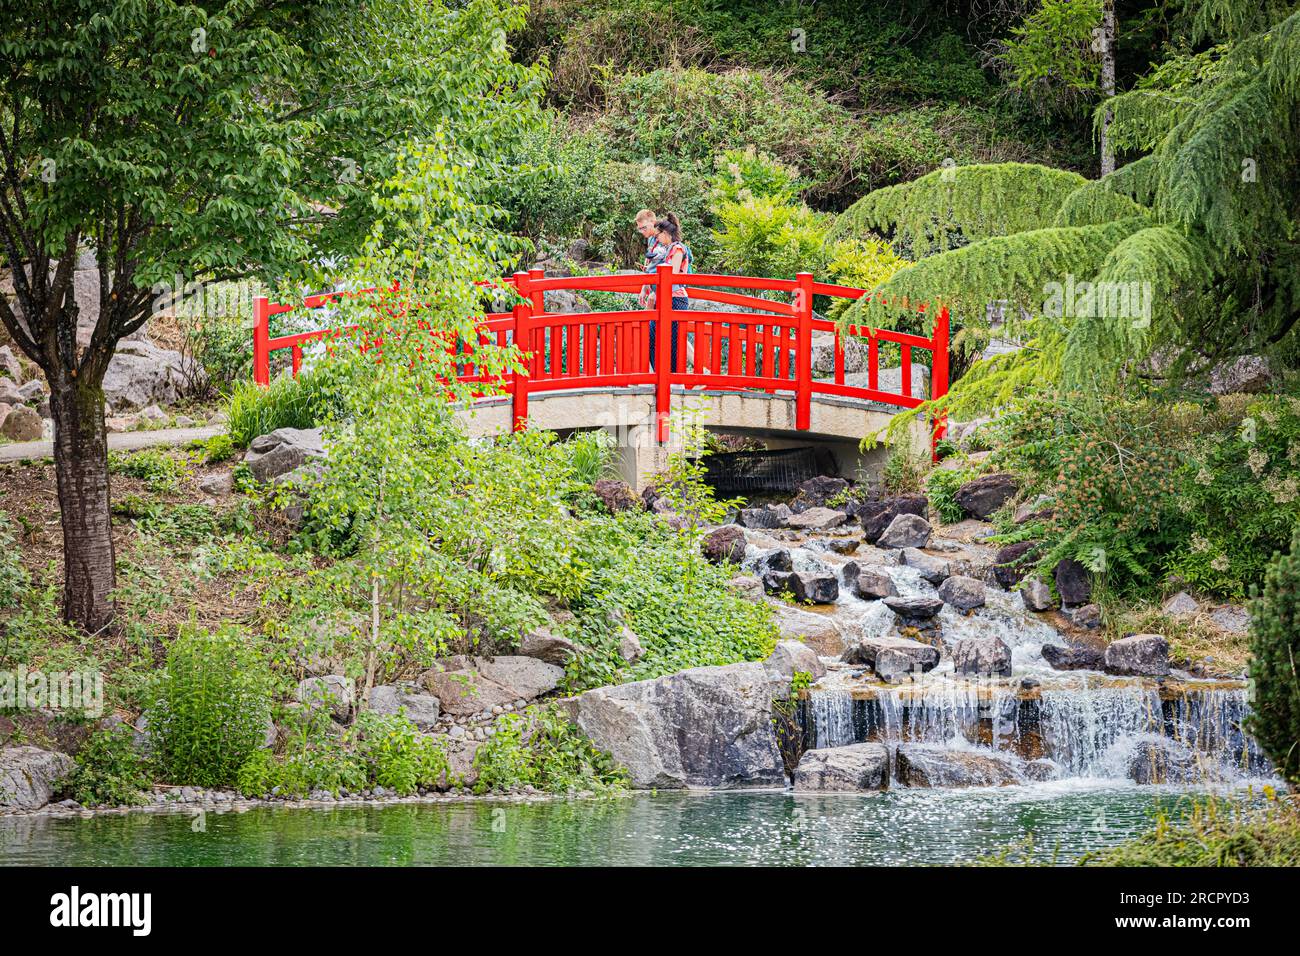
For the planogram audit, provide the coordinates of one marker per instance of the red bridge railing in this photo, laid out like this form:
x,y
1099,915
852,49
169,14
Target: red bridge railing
x,y
768,349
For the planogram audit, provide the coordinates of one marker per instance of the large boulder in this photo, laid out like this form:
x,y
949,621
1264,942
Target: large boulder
x,y
778,559
141,374
1181,604
905,531
9,366
9,393
855,767
564,301
725,545
283,451
876,516
334,691
23,424
545,645
791,657
819,631
1245,373
1073,582
871,584
818,493
824,354
706,727
931,567
460,751
422,710
1036,595
817,519
892,658
765,517
962,592
1073,657
806,587
931,765
629,646
1013,561
30,776
615,495
984,495
1161,760
1142,655
919,608
471,685
986,656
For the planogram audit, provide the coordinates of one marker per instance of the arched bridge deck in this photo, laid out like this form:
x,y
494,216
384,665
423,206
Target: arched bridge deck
x,y
749,371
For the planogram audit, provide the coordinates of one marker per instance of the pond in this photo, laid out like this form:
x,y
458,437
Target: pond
x,y
905,827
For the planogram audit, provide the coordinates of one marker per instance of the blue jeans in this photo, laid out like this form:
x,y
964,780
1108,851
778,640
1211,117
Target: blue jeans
x,y
681,303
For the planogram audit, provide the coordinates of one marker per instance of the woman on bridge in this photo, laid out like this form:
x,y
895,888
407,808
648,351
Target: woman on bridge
x,y
668,232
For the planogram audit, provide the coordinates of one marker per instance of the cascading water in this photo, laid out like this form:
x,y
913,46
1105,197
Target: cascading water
x,y
1089,725
1086,731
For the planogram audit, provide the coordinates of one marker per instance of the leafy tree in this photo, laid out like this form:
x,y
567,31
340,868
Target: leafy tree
x,y
1192,246
1274,647
214,140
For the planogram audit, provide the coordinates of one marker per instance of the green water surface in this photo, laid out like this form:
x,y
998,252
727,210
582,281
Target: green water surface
x,y
893,828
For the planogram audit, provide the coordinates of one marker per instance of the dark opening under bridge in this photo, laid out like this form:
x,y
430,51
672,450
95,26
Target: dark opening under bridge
x,y
747,372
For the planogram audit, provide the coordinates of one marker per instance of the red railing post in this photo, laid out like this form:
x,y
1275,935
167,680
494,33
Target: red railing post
x,y
939,378
663,348
803,352
261,340
523,321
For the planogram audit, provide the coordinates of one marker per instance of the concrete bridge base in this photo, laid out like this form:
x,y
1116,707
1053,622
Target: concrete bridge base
x,y
837,425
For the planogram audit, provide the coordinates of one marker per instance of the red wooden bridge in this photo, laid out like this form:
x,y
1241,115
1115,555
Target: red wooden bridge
x,y
768,348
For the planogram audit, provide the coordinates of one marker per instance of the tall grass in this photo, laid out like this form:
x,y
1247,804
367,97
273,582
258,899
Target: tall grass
x,y
302,402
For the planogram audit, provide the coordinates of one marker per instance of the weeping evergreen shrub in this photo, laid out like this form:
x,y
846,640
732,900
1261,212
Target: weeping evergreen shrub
x,y
1274,670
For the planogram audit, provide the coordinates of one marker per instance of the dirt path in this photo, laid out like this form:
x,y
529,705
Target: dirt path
x,y
117,441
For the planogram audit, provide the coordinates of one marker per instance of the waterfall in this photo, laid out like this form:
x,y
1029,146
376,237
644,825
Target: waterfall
x,y
832,716
1088,731
1081,726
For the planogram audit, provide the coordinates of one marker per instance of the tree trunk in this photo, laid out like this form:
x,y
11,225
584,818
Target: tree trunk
x,y
81,468
1107,83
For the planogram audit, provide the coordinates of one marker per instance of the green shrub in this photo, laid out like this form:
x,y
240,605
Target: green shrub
x,y
159,469
680,606
210,707
1217,833
110,770
905,469
765,236
681,118
217,449
541,748
315,756
396,755
741,174
573,186
13,574
941,488
1275,648
307,401
1146,489
222,344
